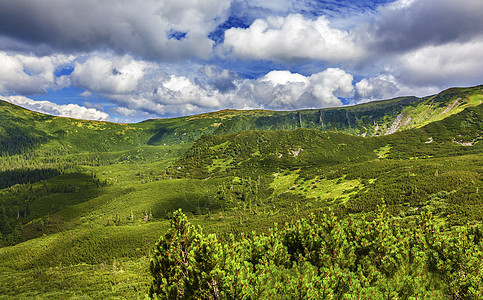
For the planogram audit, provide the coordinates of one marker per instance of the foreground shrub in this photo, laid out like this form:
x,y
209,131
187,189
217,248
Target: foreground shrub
x,y
321,259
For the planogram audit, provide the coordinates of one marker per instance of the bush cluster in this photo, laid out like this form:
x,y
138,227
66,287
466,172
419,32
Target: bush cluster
x,y
321,258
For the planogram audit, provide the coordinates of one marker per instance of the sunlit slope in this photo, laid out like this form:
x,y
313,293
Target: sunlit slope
x,y
267,151
438,165
22,130
134,182
267,170
370,119
88,226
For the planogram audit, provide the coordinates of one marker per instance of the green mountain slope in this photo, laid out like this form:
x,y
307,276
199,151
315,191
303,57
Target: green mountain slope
x,y
374,118
62,146
401,168
23,130
458,134
35,146
82,202
271,160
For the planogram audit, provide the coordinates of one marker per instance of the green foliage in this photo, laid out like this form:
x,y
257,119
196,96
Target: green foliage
x,y
22,176
26,211
81,195
321,258
378,170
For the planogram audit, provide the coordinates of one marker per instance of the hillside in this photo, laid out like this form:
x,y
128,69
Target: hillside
x,y
35,146
23,130
406,168
83,202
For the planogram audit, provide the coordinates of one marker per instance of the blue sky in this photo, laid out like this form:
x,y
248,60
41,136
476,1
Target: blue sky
x,y
126,61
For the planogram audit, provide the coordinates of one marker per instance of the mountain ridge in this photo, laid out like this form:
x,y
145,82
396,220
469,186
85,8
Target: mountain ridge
x,y
27,130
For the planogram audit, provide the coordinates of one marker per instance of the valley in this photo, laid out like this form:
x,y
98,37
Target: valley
x,y
82,203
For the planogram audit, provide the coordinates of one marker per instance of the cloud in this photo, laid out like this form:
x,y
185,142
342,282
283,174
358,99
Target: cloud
x,y
275,90
381,34
376,88
145,87
286,90
274,7
425,71
125,111
406,25
69,110
284,77
112,75
222,80
141,28
181,90
156,58
28,74
450,64
85,94
292,38
420,47
169,96
256,9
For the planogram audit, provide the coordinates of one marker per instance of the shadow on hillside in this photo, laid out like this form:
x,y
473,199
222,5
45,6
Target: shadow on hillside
x,y
158,138
21,176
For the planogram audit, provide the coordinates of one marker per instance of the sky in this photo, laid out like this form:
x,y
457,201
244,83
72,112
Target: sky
x,y
128,61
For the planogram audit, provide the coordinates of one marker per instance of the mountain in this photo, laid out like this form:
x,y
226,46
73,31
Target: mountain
x,y
23,130
399,161
83,202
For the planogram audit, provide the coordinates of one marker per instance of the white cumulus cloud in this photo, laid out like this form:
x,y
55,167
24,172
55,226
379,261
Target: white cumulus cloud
x,y
114,75
286,90
291,38
376,88
29,74
284,77
139,88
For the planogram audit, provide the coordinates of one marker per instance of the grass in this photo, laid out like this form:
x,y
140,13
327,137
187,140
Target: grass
x,y
318,189
82,233
383,152
119,279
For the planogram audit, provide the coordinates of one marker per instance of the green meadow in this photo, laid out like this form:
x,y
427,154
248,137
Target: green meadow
x,y
83,203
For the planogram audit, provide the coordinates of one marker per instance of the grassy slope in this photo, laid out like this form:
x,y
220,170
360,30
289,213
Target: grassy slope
x,y
22,130
85,236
